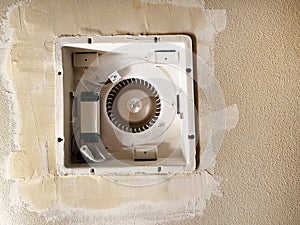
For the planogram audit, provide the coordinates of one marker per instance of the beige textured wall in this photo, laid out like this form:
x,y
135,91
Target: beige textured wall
x,y
257,64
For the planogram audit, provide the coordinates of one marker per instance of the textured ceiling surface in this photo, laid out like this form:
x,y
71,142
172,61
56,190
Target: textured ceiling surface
x,y
257,63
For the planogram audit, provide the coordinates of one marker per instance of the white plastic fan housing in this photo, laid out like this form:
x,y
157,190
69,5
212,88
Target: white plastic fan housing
x,y
129,100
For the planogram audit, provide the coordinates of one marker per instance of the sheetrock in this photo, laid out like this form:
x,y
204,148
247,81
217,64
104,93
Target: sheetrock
x,y
28,45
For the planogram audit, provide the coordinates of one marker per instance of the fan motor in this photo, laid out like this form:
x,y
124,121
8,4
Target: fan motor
x,y
133,105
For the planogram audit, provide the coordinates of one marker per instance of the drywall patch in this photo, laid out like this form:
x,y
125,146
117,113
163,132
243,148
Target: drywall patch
x,y
9,119
7,87
53,195
91,199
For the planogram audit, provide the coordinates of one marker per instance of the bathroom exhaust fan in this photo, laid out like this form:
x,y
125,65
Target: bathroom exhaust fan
x,y
125,105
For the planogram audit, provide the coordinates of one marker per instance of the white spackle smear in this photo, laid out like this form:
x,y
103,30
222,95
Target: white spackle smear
x,y
10,123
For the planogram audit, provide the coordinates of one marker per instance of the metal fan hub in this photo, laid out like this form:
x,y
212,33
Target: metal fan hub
x,y
135,110
134,105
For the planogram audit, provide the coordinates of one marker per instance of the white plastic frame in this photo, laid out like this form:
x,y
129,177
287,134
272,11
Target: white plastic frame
x,y
113,43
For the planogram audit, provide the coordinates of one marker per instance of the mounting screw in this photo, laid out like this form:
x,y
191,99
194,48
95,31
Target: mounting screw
x,y
60,139
90,40
92,170
159,169
191,136
188,70
59,73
